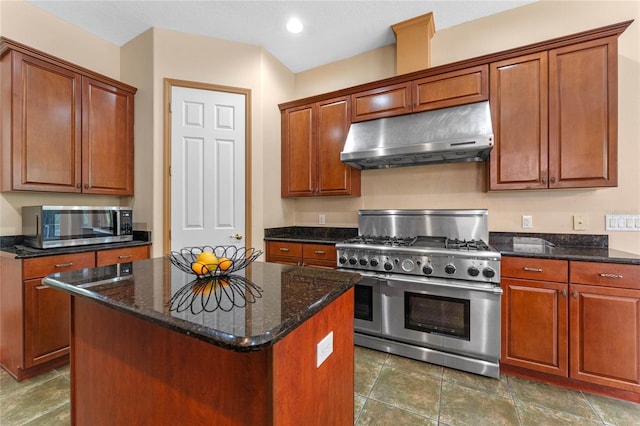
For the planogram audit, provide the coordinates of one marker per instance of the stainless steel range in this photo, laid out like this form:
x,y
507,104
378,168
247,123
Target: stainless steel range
x,y
430,288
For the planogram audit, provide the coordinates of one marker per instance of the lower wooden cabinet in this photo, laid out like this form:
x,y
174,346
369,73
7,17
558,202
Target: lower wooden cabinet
x,y
302,254
34,318
574,320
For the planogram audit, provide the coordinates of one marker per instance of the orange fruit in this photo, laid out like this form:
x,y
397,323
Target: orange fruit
x,y
224,263
205,262
204,289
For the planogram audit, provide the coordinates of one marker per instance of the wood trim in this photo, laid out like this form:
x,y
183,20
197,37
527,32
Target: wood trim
x,y
601,32
169,83
7,44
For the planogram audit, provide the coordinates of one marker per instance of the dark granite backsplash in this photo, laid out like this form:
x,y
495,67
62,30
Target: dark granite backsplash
x,y
563,240
310,234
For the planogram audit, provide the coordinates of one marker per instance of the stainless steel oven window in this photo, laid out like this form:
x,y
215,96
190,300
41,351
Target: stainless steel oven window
x,y
438,315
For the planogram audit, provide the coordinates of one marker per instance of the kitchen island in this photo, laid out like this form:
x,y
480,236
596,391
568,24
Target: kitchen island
x,y
270,345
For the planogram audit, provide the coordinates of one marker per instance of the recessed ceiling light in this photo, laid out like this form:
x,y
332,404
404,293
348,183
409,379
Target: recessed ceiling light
x,y
294,26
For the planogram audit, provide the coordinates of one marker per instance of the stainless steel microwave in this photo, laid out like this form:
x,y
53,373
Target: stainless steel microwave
x,y
63,226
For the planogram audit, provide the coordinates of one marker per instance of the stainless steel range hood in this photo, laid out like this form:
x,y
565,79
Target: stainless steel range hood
x,y
460,133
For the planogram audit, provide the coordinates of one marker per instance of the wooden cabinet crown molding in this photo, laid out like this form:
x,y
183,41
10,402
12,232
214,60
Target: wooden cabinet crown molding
x,y
7,45
554,43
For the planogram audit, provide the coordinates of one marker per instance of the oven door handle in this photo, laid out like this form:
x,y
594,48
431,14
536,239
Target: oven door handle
x,y
401,283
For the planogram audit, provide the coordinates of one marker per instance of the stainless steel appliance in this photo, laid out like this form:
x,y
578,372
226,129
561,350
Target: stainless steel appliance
x,y
61,226
430,288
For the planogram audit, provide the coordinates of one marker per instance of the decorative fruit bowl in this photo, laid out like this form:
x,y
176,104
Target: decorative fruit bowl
x,y
208,261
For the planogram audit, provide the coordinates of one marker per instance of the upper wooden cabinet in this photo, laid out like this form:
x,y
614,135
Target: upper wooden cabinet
x,y
438,91
64,128
555,118
312,138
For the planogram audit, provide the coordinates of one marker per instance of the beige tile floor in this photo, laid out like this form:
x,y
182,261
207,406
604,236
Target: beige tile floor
x,y
389,390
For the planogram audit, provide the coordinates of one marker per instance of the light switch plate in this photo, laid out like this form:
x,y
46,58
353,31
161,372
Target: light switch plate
x,y
324,349
622,222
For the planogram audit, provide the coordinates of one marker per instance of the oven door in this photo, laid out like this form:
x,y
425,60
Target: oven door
x,y
443,314
367,310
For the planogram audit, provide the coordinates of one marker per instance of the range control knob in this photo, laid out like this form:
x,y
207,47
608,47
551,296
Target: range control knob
x,y
427,269
488,272
473,271
342,260
374,262
363,261
353,260
407,265
450,269
388,266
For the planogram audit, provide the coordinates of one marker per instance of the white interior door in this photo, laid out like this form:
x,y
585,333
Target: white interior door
x,y
207,168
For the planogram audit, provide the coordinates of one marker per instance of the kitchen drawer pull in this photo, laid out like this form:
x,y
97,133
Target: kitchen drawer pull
x,y
63,265
319,252
611,275
283,249
125,256
526,268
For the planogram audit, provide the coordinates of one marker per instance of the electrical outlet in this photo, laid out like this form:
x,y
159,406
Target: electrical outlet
x,y
579,223
324,349
321,219
527,222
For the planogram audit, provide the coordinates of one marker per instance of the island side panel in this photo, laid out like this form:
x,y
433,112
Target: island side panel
x,y
304,394
128,371
11,315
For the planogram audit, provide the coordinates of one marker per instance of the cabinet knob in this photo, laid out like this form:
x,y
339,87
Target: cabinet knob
x,y
86,186
78,185
544,180
575,294
564,292
553,179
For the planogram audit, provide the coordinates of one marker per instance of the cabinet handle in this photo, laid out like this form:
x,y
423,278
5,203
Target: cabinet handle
x,y
575,294
78,185
62,265
553,179
611,275
283,249
564,292
86,186
319,252
526,268
544,180
125,256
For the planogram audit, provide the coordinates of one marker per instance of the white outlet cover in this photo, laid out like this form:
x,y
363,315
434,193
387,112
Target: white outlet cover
x,y
324,349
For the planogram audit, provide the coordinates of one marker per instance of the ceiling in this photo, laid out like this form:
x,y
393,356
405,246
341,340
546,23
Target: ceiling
x,y
334,30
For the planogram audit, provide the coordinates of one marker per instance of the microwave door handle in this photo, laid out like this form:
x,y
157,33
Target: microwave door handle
x,y
37,225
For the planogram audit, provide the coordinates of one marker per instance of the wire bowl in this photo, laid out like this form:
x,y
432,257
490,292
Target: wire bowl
x,y
230,259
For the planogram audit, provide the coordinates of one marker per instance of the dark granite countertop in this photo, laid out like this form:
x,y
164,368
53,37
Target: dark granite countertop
x,y
249,310
310,234
583,247
14,245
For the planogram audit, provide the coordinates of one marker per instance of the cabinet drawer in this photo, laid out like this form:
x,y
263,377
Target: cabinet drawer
x,y
535,269
381,102
605,274
319,251
128,254
43,266
282,248
453,88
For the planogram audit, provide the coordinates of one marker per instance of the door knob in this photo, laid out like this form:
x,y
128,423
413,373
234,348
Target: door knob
x,y
237,236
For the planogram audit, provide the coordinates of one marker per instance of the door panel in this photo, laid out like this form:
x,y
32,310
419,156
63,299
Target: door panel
x,y
207,168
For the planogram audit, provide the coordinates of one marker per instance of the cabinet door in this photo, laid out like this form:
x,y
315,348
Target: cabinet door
x,y
535,325
46,145
107,139
605,336
334,176
46,323
128,254
298,151
381,102
452,88
519,114
583,102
